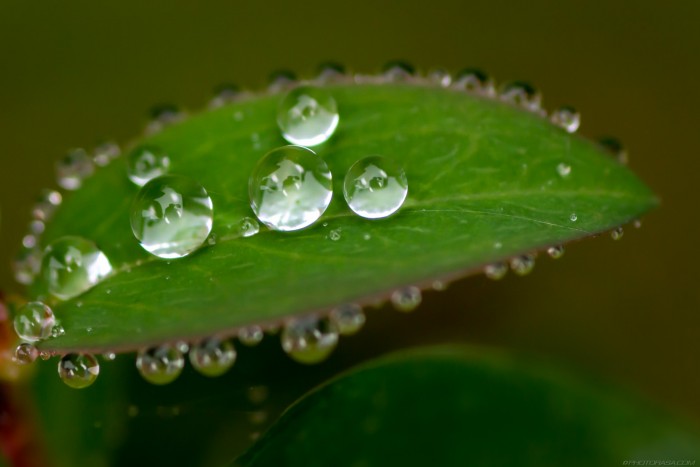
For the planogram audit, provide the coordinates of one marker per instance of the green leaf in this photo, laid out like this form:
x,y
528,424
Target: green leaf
x,y
452,406
483,186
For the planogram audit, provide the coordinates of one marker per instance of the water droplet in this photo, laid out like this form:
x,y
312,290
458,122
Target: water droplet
x,y
290,188
105,153
280,80
59,331
75,167
172,216
248,227
46,205
250,335
36,227
309,340
375,187
523,264
213,357
45,355
567,118
29,241
573,217
348,319
109,356
398,71
406,299
25,354
182,346
617,233
476,81
440,77
27,265
307,116
335,234
615,147
225,93
367,236
637,224
145,163
72,265
163,115
522,94
78,370
496,271
556,251
439,286
160,365
211,241
564,170
330,72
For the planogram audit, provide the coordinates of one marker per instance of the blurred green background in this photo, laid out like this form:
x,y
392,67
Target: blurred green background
x,y
74,72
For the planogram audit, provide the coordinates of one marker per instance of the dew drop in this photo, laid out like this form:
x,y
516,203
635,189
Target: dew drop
x,y
309,340
280,80
27,265
248,227
72,265
439,286
290,188
37,227
46,205
522,265
614,147
367,236
163,115
406,299
251,335
34,321
617,233
474,80
348,319
521,94
25,354
398,71
172,216
224,94
496,271
440,77
213,357
75,167
78,370
160,365
573,217
637,224
567,118
307,116
556,251
330,72
105,153
564,170
45,355
335,234
375,187
145,163
58,330
109,356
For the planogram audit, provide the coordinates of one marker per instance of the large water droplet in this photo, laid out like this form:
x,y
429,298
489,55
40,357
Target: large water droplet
x,y
521,94
523,264
251,335
567,118
406,299
145,163
496,271
172,216
25,354
105,153
160,365
34,321
45,207
476,81
72,265
78,370
556,251
213,357
73,169
348,319
290,188
309,340
248,227
375,187
307,116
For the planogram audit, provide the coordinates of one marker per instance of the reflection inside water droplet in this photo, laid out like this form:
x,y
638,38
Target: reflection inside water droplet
x,y
78,370
375,187
160,365
73,265
307,116
309,340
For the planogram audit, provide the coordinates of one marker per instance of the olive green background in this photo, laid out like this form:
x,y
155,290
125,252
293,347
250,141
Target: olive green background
x,y
74,72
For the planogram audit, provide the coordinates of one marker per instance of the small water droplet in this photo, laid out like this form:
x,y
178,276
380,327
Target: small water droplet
x,y
496,271
615,147
172,216
213,357
290,188
335,234
307,116
25,354
406,299
211,241
523,264
567,118
145,163
160,365
375,187
78,370
36,227
348,319
522,94
163,115
440,77
367,236
45,355
556,251
58,330
281,80
27,265
29,241
250,335
564,170
617,233
498,245
398,71
105,153
248,227
476,81
224,94
109,356
573,217
238,116
73,265
75,167
330,72
310,339
46,205
439,286
637,224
